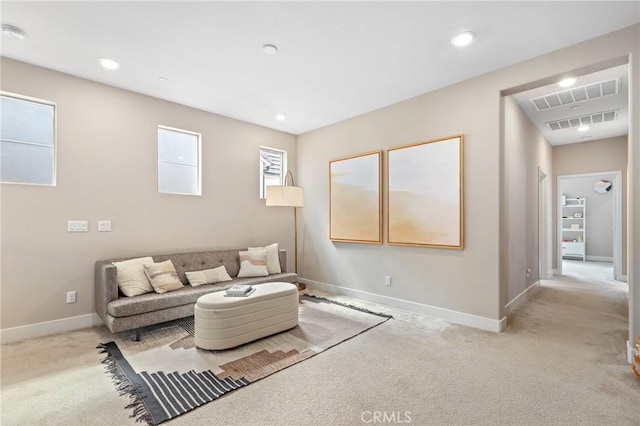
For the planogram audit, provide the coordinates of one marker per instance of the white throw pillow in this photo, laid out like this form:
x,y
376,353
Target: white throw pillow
x,y
132,280
273,257
163,276
253,264
208,276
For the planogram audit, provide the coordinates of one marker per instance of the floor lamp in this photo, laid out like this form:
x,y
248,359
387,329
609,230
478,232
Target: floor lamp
x,y
288,196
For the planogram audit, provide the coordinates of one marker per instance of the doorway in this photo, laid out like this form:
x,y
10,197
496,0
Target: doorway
x,y
599,227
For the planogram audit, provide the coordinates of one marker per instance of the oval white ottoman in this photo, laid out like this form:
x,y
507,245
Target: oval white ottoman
x,y
225,322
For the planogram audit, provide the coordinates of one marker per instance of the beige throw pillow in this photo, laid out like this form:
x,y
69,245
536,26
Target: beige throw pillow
x,y
163,276
132,280
253,264
273,257
208,276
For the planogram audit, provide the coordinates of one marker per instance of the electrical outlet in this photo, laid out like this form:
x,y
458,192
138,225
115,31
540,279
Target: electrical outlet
x,y
387,280
71,297
528,272
104,226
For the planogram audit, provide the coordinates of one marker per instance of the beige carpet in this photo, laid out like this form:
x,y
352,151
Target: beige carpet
x,y
561,361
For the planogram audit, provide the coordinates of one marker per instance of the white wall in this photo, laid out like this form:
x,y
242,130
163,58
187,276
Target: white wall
x,y
107,156
468,281
598,215
603,155
526,153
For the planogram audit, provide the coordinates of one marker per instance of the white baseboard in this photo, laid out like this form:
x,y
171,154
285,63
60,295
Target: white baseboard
x,y
16,334
457,317
631,351
600,258
522,298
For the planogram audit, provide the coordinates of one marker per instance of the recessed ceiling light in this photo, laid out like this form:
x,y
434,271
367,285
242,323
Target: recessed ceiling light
x,y
280,117
109,63
583,128
567,82
163,79
15,32
463,39
270,49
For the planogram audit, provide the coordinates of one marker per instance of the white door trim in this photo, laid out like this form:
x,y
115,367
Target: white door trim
x,y
617,218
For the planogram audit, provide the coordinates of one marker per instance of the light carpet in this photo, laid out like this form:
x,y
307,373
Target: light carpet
x,y
561,361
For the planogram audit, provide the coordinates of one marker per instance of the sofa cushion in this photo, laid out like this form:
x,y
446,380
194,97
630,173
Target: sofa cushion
x,y
208,276
253,264
273,257
132,281
150,302
162,276
198,261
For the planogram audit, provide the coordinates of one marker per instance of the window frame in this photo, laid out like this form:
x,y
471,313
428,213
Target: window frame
x,y
198,192
283,169
54,169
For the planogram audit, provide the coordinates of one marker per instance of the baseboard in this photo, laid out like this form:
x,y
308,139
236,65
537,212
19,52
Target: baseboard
x,y
457,317
600,258
16,334
631,351
522,298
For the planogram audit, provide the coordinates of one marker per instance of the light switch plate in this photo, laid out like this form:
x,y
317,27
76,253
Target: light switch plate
x,y
104,226
77,226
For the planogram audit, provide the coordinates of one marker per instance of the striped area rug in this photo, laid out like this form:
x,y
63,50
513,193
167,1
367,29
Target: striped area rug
x,y
165,375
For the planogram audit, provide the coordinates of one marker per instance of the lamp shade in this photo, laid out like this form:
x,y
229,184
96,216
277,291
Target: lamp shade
x,y
285,196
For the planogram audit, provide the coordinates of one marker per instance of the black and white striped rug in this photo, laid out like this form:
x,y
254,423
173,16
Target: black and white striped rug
x,y
138,369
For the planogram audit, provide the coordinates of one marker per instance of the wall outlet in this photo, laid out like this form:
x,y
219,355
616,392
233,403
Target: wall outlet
x,y
104,226
71,297
528,272
387,280
77,226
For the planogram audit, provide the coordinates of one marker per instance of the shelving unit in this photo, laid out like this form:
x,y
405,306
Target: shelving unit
x,y
574,229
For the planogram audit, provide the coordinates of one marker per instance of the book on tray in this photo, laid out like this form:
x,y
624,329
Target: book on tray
x,y
239,290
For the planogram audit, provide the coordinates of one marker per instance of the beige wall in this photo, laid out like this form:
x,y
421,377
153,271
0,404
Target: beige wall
x,y
603,155
526,153
107,154
471,280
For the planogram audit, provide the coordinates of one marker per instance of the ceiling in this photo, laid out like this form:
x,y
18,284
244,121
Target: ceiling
x,y
335,60
598,100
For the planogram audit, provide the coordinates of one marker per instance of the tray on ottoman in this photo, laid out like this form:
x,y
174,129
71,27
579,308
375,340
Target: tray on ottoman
x,y
225,322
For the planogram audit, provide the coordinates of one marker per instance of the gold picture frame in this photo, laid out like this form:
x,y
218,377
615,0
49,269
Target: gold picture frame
x,y
425,194
355,198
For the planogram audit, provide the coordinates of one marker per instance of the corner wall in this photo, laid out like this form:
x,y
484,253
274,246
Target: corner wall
x,y
469,281
107,169
526,153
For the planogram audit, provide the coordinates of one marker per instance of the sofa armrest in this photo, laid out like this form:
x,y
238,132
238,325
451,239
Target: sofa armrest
x,y
283,260
106,287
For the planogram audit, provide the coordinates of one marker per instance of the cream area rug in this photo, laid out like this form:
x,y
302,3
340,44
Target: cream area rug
x,y
165,375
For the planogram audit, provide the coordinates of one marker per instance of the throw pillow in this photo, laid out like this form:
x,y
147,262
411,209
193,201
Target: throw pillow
x,y
273,257
208,276
163,276
253,264
132,280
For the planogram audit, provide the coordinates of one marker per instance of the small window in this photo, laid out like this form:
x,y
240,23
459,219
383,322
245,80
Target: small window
x,y
273,168
178,161
27,141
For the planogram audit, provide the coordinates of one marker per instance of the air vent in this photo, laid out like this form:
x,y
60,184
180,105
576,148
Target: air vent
x,y
585,120
577,94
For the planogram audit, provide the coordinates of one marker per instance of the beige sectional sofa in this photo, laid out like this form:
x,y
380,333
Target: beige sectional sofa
x,y
121,313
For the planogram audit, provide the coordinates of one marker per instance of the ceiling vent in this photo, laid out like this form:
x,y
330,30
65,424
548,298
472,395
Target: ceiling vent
x,y
577,94
585,120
